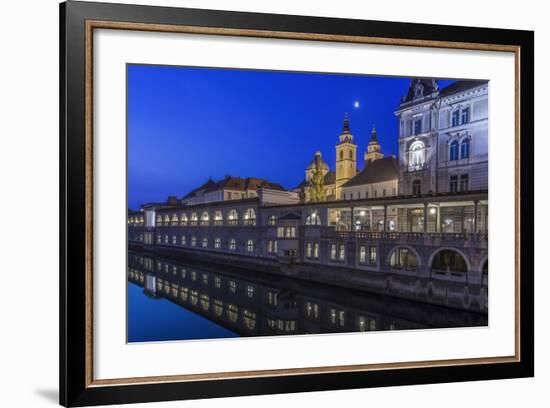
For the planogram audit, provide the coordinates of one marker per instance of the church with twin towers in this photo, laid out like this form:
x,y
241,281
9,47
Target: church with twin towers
x,y
443,148
379,175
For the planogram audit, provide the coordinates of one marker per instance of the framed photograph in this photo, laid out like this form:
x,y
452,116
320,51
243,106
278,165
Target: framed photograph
x,y
256,204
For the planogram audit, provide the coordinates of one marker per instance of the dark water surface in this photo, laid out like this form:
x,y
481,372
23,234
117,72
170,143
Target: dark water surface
x,y
171,300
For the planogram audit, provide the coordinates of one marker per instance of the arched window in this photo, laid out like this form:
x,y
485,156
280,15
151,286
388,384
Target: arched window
x,y
448,260
166,219
272,220
175,220
194,219
205,218
341,155
416,187
159,219
313,219
465,148
250,216
217,243
232,244
403,258
350,154
417,156
218,218
453,150
183,219
232,217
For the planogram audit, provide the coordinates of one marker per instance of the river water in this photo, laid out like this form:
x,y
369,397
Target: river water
x,y
173,300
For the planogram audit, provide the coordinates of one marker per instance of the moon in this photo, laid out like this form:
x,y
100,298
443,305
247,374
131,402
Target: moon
x,y
356,104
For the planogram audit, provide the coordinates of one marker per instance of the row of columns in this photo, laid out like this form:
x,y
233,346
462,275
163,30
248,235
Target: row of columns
x,y
425,213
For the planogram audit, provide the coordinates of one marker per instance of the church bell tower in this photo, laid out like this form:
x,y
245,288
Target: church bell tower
x,y
373,149
346,158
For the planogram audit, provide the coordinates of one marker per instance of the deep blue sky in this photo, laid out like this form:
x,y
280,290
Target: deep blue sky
x,y
188,124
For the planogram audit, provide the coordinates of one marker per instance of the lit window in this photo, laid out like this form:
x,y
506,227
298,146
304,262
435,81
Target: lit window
x,y
342,252
217,243
313,219
416,156
272,246
250,291
372,255
205,218
193,241
166,239
403,258
218,218
290,232
309,248
233,286
333,252
272,220
250,245
174,240
316,250
232,217
183,239
232,244
250,217
362,254
204,242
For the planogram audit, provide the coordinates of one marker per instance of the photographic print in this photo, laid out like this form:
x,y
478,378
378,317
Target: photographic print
x,y
268,203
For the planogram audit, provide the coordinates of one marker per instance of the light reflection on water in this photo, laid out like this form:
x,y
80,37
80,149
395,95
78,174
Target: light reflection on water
x,y
169,300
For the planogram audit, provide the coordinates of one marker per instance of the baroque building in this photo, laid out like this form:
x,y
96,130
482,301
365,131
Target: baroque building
x,y
346,158
443,146
347,181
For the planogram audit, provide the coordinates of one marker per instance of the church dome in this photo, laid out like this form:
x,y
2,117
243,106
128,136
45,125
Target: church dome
x,y
318,158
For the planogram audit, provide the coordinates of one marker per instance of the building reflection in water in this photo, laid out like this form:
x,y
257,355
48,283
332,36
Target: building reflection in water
x,y
256,304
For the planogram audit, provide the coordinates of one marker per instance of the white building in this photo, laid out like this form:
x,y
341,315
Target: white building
x,y
443,133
